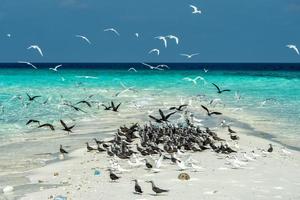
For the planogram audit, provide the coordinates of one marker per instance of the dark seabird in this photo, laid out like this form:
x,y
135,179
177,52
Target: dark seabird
x,y
84,102
234,137
220,91
33,121
210,113
155,189
148,165
32,98
67,128
180,108
112,176
47,125
115,108
230,130
62,151
137,187
106,107
75,107
164,118
270,149
89,148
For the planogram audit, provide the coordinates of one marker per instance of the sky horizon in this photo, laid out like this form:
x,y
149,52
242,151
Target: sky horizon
x,y
226,32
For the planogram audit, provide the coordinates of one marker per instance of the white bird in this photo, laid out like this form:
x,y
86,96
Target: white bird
x,y
195,79
173,37
27,63
55,68
84,38
195,10
137,35
189,56
291,46
113,30
181,165
163,39
36,47
158,162
152,67
154,50
163,66
205,70
132,69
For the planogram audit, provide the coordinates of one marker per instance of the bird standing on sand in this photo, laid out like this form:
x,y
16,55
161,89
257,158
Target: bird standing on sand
x,y
270,149
62,151
156,189
137,187
112,176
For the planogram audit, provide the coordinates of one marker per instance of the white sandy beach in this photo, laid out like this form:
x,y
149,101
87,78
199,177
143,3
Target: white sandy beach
x,y
273,175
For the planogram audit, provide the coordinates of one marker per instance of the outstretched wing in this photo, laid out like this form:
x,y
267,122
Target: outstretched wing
x,y
205,108
63,124
161,114
169,115
216,113
216,87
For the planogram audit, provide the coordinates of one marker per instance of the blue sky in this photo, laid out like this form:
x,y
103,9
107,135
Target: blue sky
x,y
227,31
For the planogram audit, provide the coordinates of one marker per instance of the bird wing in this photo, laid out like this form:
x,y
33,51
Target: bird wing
x,y
295,48
153,118
39,50
187,79
216,87
161,113
205,108
216,113
63,124
56,67
194,7
170,114
184,105
27,63
184,54
199,77
118,106
132,69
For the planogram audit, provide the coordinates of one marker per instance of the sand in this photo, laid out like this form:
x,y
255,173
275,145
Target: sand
x,y
273,175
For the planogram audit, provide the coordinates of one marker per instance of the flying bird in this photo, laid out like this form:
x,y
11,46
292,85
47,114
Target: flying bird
x,y
195,79
195,10
27,63
189,56
84,38
36,47
173,37
55,68
209,113
48,126
219,90
154,50
152,67
163,39
291,46
68,129
137,35
132,69
8,35
112,30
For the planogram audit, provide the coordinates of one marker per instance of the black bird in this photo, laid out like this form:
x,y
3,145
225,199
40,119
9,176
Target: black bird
x,y
112,176
210,113
32,98
148,165
180,108
62,151
33,121
89,148
106,107
47,125
75,107
66,128
164,118
270,149
84,102
234,137
230,130
115,108
99,148
137,187
220,91
156,189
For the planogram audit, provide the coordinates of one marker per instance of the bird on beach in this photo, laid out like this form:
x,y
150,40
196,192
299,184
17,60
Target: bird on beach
x,y
195,10
89,148
55,68
154,51
156,189
28,63
291,46
209,113
230,130
68,129
84,38
132,69
33,121
163,38
189,56
62,151
112,30
47,125
36,47
270,149
137,187
113,177
195,79
219,90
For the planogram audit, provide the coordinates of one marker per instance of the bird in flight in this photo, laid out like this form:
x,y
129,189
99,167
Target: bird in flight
x,y
219,90
36,47
209,113
137,35
195,10
84,38
113,30
189,56
173,37
195,79
55,68
8,35
152,67
154,51
132,69
163,38
27,63
205,70
291,46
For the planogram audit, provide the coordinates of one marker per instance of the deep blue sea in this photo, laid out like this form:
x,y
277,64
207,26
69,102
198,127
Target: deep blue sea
x,y
267,96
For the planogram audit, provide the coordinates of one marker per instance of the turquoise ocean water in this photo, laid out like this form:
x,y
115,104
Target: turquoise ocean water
x,y
269,100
